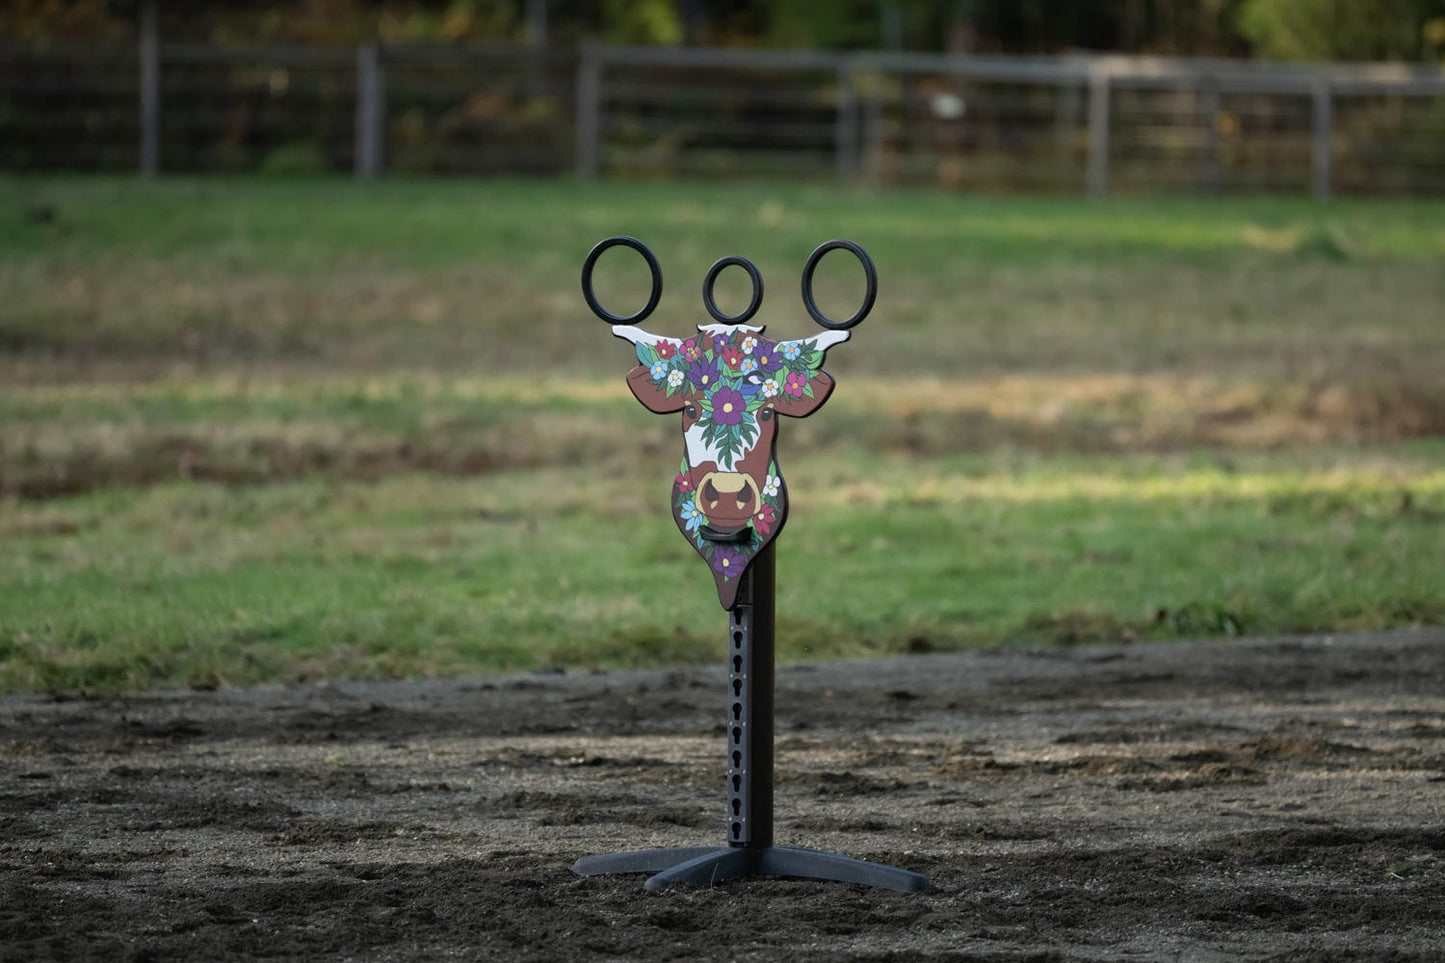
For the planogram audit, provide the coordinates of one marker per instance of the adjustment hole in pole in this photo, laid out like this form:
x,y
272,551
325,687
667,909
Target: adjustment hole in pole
x,y
737,736
737,783
737,663
737,638
737,617
737,687
737,764
737,807
737,711
737,830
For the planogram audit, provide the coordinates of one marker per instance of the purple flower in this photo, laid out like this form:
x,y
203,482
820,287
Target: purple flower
x,y
703,374
767,355
728,407
728,562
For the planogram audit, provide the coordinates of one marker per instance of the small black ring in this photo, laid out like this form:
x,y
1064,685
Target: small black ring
x,y
707,284
869,272
652,266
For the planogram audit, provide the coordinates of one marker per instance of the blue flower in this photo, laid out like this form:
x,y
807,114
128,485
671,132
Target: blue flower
x,y
690,515
749,365
658,370
791,350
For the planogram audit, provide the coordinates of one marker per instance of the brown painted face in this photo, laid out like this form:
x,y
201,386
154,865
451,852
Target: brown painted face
x,y
731,384
729,493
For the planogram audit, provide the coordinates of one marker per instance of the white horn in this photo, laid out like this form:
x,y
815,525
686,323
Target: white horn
x,y
636,335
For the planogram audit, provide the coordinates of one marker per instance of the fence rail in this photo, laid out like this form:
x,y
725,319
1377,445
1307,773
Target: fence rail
x,y
1068,123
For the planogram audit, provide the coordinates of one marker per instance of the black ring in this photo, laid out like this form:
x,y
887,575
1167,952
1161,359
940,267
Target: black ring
x,y
714,271
869,272
652,265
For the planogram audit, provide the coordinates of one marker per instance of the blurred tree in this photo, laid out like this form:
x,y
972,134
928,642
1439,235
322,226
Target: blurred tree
x,y
643,21
1296,29
845,25
1340,29
37,21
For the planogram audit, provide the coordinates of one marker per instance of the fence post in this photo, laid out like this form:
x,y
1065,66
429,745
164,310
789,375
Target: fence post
x,y
149,52
589,110
846,121
1098,171
370,112
1209,117
536,48
1323,131
872,109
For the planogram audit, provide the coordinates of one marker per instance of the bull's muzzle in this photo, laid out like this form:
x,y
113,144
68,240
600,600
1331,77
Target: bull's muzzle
x,y
728,500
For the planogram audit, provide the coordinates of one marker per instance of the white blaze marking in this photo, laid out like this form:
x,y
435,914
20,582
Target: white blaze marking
x,y
698,453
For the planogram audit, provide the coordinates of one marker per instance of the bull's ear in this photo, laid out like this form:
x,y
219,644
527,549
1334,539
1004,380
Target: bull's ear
x,y
653,396
819,387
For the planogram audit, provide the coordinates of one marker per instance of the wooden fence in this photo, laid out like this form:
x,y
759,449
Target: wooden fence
x,y
1068,123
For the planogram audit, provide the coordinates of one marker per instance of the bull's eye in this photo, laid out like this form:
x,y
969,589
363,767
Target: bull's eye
x,y
765,415
690,411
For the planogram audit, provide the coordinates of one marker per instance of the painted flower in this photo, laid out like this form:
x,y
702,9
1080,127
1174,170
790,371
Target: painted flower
x,y
791,350
728,407
748,366
658,370
765,519
768,357
692,518
690,350
750,343
703,373
683,482
666,349
728,562
770,389
771,486
675,377
732,357
795,384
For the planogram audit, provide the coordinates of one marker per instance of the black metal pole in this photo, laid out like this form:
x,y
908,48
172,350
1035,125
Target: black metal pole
x,y
750,709
750,850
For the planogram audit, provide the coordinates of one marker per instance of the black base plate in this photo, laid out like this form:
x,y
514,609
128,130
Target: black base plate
x,y
710,865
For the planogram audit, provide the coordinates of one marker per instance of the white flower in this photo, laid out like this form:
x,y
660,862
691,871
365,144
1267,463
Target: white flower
x,y
749,343
771,486
674,378
770,389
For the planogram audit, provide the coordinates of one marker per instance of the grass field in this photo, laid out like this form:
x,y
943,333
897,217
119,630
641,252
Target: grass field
x,y
272,430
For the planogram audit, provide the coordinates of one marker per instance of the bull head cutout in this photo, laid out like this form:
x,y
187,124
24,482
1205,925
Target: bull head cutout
x,y
731,384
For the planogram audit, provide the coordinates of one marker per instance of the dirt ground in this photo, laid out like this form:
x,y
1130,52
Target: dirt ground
x,y
1274,799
